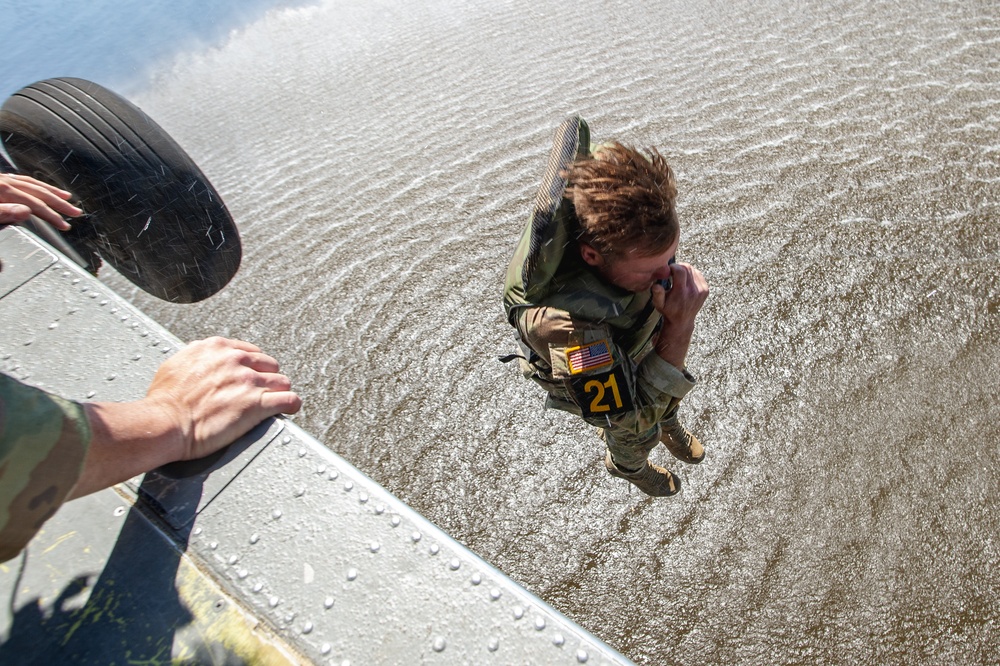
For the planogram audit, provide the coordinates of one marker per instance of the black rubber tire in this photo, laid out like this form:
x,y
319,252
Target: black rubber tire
x,y
151,212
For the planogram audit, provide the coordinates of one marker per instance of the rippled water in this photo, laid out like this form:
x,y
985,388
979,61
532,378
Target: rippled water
x,y
839,172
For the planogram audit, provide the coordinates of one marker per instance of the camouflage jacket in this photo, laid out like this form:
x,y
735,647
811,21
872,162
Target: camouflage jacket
x,y
584,340
43,443
590,346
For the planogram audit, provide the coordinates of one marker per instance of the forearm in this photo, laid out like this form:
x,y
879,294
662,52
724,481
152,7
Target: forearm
x,y
126,439
673,343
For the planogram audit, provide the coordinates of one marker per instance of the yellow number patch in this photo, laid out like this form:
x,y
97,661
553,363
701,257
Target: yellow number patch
x,y
603,394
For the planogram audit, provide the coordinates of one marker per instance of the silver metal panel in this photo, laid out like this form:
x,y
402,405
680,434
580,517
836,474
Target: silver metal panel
x,y
69,333
180,491
23,261
322,555
349,573
101,584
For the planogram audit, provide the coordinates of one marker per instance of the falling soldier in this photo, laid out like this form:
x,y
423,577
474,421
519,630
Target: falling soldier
x,y
603,312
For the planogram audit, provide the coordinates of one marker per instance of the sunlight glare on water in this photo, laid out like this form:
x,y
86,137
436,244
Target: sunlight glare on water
x,y
838,169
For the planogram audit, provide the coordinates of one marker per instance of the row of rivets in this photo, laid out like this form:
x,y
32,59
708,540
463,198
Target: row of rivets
x,y
133,325
439,644
363,498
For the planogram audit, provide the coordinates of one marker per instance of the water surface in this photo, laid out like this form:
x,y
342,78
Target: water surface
x,y
839,172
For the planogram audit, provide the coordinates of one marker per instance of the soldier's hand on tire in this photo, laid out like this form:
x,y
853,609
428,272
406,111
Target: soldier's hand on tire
x,y
24,196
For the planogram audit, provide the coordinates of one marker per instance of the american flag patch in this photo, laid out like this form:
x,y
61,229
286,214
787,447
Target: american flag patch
x,y
595,355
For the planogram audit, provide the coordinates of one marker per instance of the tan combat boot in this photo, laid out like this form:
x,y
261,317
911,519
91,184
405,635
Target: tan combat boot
x,y
682,444
650,479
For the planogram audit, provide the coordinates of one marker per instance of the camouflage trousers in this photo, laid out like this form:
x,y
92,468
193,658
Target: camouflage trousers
x,y
628,449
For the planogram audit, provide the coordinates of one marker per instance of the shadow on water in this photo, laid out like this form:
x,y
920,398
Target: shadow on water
x,y
117,43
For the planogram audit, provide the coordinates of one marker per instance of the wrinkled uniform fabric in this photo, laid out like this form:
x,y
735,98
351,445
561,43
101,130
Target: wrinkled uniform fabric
x,y
628,395
589,344
43,443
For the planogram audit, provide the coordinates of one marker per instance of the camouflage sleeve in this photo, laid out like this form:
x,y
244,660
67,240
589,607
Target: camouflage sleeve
x,y
43,443
587,374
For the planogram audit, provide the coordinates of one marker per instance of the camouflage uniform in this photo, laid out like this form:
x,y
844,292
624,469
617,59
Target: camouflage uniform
x,y
588,343
43,443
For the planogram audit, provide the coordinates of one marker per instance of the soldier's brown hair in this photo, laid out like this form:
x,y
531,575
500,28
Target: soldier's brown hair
x,y
625,200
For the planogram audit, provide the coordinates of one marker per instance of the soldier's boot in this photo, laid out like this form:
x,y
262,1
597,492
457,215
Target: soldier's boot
x,y
650,479
680,442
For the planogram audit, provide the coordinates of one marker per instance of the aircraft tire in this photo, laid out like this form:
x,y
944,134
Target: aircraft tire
x,y
150,211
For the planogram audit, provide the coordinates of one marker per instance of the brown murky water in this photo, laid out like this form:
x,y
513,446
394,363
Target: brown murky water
x,y
839,170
